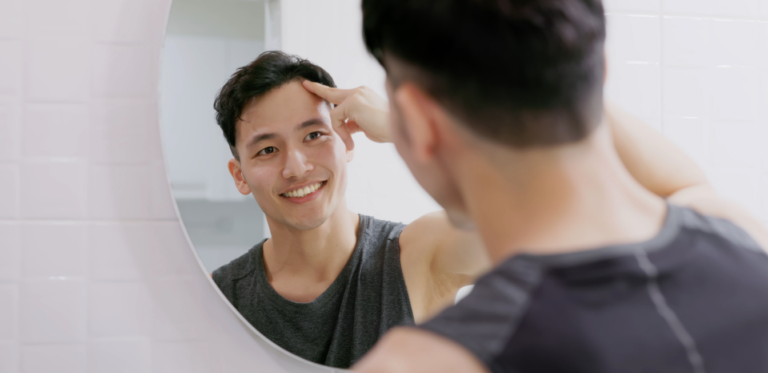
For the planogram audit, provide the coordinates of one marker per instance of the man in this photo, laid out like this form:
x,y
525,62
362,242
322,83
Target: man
x,y
497,109
329,282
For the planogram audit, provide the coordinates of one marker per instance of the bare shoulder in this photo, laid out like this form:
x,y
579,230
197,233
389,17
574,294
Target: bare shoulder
x,y
425,231
405,350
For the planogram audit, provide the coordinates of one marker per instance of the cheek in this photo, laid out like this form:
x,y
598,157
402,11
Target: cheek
x,y
261,179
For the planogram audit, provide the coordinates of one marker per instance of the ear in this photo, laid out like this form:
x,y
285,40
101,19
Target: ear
x,y
237,176
418,112
605,68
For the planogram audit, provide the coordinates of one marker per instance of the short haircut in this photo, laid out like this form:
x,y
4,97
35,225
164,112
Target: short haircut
x,y
523,73
271,70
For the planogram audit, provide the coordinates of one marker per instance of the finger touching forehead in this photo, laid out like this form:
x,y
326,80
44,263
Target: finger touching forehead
x,y
281,110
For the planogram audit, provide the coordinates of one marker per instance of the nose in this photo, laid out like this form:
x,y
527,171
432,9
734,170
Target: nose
x,y
296,164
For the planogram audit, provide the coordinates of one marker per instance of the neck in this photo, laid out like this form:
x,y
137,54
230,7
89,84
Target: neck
x,y
558,199
318,254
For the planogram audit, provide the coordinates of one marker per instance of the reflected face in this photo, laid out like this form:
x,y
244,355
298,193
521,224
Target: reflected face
x,y
291,159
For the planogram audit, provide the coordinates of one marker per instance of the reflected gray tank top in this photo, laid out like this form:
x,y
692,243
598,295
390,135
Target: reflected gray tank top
x,y
338,327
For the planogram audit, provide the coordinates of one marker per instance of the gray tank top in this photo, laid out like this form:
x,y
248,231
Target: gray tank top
x,y
338,327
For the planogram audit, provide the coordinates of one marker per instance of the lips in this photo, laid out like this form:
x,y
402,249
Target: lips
x,y
303,191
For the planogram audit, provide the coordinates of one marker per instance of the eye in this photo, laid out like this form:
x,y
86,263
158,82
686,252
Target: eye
x,y
267,150
313,135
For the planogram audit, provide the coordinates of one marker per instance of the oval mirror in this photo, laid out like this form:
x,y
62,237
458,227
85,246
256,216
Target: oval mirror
x,y
331,278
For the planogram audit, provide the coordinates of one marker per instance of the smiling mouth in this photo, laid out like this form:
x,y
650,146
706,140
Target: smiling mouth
x,y
305,191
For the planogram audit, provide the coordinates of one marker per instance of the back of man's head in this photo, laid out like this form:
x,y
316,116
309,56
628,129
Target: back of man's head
x,y
523,73
271,70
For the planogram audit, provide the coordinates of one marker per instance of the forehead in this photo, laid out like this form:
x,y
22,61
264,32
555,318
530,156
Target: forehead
x,y
281,109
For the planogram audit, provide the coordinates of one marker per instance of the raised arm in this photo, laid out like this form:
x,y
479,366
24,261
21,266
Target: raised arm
x,y
665,170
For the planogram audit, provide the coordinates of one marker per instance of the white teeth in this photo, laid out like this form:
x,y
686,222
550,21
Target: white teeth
x,y
298,193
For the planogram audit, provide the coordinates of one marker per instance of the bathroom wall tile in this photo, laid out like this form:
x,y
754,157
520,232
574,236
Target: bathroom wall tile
x,y
55,131
691,135
633,38
685,92
9,357
636,88
53,250
687,41
735,42
120,356
119,192
120,132
736,94
9,191
10,130
122,70
119,309
168,252
739,186
739,8
63,358
52,311
124,20
736,145
10,252
688,6
762,43
632,5
162,204
46,18
10,18
55,189
10,67
177,314
117,251
9,305
182,357
58,70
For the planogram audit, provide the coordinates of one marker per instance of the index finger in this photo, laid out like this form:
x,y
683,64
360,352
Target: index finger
x,y
332,95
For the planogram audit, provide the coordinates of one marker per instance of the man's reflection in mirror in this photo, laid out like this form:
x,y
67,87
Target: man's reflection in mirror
x,y
329,282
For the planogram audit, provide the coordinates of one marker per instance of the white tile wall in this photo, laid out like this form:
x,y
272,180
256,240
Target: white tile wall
x,y
11,18
8,357
122,70
54,310
120,356
10,67
60,358
53,250
60,19
53,189
119,192
119,309
10,136
9,306
9,191
57,70
84,194
10,252
55,130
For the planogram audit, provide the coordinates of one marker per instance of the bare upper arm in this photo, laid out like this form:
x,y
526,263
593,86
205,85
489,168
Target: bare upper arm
x,y
409,350
445,248
705,200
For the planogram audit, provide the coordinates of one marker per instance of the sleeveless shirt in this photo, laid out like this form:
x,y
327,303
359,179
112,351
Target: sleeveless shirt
x,y
337,328
692,299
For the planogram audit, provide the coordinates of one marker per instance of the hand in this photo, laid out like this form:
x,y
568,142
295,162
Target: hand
x,y
359,109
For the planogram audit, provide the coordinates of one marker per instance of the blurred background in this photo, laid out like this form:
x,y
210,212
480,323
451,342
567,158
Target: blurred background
x,y
205,42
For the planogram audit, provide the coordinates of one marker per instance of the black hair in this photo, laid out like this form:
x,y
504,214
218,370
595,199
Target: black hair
x,y
521,72
271,70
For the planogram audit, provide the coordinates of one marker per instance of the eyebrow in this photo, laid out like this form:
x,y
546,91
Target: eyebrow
x,y
269,136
